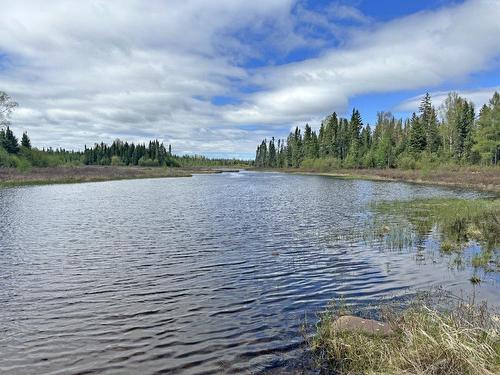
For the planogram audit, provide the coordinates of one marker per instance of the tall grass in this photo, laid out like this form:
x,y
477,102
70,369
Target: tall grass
x,y
463,340
458,222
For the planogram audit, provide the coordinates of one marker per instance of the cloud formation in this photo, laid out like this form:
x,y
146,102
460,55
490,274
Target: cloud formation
x,y
478,96
97,70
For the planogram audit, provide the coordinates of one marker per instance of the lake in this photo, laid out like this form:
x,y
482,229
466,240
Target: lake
x,y
204,275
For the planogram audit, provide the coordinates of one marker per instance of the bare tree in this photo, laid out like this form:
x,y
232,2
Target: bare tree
x,y
7,105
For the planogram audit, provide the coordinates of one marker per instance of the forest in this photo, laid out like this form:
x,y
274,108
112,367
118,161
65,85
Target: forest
x,y
453,133
21,154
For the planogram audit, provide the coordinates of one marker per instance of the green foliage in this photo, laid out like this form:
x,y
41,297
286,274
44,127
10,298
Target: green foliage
x,y
9,141
6,160
421,142
322,165
146,162
9,160
406,161
116,161
487,135
25,141
459,221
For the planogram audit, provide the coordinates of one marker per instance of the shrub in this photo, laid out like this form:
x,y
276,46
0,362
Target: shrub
x,y
116,161
322,165
406,161
146,162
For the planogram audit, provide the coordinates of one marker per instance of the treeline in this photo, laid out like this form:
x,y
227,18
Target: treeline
x,y
22,155
119,153
123,153
458,136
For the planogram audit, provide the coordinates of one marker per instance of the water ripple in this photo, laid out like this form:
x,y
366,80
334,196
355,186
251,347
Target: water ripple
x,y
207,275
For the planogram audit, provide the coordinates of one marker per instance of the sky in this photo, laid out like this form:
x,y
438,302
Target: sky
x,y
216,77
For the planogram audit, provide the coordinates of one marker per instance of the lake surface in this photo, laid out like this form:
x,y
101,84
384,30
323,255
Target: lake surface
x,y
204,275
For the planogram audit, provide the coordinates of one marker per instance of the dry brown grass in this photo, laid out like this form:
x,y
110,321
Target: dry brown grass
x,y
36,176
461,341
483,178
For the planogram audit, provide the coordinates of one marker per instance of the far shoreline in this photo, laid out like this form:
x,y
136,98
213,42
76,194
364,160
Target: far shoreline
x,y
485,179
11,177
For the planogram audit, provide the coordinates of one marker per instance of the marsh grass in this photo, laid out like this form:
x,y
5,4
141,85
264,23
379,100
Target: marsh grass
x,y
459,223
463,340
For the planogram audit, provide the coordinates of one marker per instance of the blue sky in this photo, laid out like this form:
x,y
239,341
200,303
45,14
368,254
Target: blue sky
x,y
215,77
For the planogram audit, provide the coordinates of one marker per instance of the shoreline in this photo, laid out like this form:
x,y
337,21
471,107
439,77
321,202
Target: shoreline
x,y
485,179
10,177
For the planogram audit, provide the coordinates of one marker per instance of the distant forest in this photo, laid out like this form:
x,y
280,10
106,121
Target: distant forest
x,y
458,137
21,154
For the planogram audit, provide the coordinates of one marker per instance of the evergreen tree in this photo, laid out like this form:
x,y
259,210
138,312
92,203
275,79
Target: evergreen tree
x,y
418,136
355,126
487,135
297,148
9,141
464,127
25,141
272,154
429,122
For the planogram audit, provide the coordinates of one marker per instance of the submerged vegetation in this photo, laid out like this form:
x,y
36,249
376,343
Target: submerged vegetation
x,y
459,224
426,140
460,340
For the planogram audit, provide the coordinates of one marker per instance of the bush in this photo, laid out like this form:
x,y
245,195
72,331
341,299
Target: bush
x,y
5,158
116,161
406,161
39,158
322,165
146,162
22,163
14,161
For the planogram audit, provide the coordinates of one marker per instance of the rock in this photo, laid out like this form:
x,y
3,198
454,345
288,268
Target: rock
x,y
367,326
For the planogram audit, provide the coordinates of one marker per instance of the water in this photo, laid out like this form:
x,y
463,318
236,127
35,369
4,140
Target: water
x,y
204,275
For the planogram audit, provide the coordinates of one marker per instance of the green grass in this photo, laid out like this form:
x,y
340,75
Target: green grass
x,y
463,340
459,223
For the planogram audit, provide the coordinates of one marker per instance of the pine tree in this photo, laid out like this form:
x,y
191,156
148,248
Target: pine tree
x,y
297,148
429,121
418,137
9,142
355,127
272,154
309,151
25,141
487,135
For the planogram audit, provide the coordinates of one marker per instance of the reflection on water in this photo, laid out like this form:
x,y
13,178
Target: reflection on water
x,y
187,276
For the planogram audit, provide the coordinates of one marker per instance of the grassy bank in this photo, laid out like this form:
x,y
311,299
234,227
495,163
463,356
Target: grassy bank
x,y
474,177
460,340
65,175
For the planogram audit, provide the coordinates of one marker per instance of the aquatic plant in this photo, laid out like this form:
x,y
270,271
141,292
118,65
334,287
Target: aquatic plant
x,y
457,222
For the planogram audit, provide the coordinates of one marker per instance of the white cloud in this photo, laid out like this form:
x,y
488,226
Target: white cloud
x,y
96,70
418,51
478,96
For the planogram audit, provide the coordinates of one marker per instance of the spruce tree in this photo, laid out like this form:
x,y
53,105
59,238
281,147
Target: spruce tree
x,y
487,135
355,126
25,141
10,143
418,136
272,154
429,122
